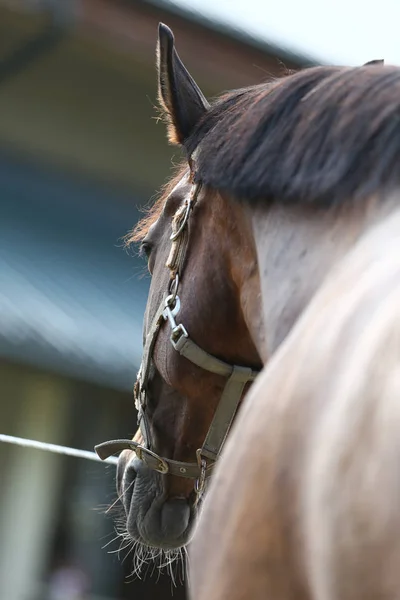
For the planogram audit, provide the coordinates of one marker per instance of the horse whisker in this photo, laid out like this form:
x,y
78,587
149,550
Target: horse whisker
x,y
119,498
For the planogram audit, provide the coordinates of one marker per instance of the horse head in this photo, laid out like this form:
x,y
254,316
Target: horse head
x,y
202,333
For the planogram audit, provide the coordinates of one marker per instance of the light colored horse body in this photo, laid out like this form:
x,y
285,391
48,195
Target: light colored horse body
x,y
281,182
305,500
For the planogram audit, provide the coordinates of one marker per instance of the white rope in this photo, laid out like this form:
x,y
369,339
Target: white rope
x,y
10,439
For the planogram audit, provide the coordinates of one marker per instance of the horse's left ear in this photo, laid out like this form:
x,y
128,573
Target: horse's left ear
x,y
379,61
178,93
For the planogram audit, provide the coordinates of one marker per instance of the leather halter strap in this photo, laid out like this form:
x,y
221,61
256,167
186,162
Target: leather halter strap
x,y
237,376
224,414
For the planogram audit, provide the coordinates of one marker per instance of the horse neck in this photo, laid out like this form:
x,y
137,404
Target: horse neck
x,y
230,230
297,247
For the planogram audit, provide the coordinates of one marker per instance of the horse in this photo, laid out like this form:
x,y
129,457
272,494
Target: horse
x,y
304,503
227,284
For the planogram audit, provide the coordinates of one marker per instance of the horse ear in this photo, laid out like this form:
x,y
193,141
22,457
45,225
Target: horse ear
x,y
180,97
379,61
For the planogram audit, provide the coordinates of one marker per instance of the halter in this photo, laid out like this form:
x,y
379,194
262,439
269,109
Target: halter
x,y
237,376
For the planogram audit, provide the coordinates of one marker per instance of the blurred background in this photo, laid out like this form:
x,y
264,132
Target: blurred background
x,y
80,154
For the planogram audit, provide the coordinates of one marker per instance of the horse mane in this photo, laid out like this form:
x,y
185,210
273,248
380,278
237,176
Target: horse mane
x,y
141,229
320,136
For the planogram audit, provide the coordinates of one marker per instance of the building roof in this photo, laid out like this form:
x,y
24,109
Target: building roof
x,y
81,93
224,28
80,98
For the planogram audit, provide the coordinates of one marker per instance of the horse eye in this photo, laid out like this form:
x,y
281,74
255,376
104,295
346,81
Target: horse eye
x,y
145,249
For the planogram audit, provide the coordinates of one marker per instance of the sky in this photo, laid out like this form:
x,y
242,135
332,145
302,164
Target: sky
x,y
348,32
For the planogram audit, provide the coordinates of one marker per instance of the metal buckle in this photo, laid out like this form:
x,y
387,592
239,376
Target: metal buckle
x,y
159,464
177,333
169,314
173,289
200,483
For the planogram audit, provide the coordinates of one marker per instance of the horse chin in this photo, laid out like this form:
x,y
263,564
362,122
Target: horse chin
x,y
153,519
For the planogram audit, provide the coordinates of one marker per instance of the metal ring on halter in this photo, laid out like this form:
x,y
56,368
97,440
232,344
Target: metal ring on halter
x,y
174,283
200,482
175,303
174,236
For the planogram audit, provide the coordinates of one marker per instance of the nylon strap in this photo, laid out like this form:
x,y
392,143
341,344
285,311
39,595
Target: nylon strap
x,y
144,371
190,350
151,339
177,253
222,420
152,460
225,412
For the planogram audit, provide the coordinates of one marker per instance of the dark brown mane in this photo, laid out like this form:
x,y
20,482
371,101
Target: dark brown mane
x,y
321,136
141,229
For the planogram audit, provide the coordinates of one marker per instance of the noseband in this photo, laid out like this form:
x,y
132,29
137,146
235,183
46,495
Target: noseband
x,y
237,376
